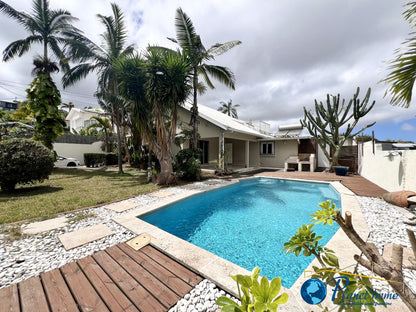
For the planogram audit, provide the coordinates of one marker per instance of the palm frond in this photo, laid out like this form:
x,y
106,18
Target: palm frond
x,y
19,47
202,71
402,75
221,48
20,17
76,73
222,74
185,31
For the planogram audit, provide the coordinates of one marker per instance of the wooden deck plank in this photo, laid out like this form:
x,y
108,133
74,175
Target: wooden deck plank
x,y
164,275
356,183
85,295
9,299
57,292
32,296
108,290
143,300
184,273
154,286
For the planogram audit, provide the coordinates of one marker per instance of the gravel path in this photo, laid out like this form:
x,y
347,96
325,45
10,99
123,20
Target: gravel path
x,y
34,254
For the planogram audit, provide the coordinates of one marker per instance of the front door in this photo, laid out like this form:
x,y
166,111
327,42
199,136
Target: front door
x,y
203,145
228,153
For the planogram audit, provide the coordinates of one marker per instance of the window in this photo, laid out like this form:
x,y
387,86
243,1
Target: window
x,y
267,148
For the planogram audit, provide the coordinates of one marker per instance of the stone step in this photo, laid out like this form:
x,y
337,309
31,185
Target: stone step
x,y
84,236
122,206
44,226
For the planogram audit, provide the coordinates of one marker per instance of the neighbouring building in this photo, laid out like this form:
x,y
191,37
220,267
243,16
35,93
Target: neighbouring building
x,y
80,118
9,105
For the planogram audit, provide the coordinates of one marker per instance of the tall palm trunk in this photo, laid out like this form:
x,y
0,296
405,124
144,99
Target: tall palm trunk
x,y
162,148
116,112
194,113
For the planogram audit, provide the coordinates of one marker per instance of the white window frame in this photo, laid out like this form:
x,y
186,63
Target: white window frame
x,y
267,144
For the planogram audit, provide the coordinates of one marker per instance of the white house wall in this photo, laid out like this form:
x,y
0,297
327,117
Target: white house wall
x,y
77,151
282,150
393,173
322,160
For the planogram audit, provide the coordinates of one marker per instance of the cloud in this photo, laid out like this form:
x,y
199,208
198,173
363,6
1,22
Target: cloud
x,y
407,127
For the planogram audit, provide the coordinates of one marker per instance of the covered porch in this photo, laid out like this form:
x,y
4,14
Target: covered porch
x,y
229,152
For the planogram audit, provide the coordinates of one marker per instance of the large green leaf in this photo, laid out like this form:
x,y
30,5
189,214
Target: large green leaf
x,y
224,301
275,286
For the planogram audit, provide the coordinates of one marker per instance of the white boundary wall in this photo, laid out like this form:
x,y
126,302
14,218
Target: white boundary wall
x,y
77,150
388,169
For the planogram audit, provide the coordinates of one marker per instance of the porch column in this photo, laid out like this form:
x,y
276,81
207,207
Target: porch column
x,y
247,153
221,151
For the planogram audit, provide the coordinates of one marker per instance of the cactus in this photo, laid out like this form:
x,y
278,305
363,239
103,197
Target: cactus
x,y
326,124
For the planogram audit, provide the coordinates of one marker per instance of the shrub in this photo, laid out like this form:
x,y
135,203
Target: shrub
x,y
23,161
111,159
97,159
188,165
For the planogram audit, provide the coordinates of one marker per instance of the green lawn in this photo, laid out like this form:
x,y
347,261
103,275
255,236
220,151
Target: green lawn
x,y
67,190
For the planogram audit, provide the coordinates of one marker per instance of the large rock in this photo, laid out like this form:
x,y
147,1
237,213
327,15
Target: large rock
x,y
399,198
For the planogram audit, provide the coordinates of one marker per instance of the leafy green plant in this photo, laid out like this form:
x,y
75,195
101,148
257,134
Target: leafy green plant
x,y
256,296
306,241
43,100
188,165
23,161
327,214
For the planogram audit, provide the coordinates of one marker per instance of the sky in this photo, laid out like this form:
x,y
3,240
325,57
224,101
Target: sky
x,y
293,52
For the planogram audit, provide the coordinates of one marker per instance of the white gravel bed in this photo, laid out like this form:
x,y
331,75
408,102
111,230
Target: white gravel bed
x,y
385,223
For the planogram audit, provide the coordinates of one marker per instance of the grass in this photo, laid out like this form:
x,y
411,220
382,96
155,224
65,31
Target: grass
x,y
68,190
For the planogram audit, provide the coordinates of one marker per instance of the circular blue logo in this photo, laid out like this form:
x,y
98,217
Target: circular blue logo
x,y
313,291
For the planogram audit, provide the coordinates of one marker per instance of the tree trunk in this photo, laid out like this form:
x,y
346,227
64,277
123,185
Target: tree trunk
x,y
193,143
120,160
166,175
377,263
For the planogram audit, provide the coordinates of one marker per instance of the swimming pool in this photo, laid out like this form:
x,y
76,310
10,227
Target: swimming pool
x,y
248,223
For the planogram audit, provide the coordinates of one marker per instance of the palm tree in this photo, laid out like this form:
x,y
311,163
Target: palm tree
x,y
102,59
51,28
105,126
68,106
197,54
403,68
228,108
157,85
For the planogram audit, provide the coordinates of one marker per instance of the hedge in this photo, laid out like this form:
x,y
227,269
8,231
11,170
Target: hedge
x,y
99,159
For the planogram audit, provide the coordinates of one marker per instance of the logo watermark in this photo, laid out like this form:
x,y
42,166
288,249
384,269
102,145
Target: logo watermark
x,y
314,291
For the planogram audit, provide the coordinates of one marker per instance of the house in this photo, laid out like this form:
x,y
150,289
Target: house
x,y
9,106
226,141
79,118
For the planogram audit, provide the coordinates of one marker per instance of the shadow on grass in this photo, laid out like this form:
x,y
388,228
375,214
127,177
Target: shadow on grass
x,y
30,191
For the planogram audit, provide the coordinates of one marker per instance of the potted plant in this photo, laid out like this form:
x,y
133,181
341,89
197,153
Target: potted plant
x,y
341,170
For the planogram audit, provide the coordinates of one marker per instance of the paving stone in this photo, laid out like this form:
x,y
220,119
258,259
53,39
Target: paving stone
x,y
44,226
122,206
78,238
162,194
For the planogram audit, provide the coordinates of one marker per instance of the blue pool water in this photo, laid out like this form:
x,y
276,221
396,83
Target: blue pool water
x,y
248,223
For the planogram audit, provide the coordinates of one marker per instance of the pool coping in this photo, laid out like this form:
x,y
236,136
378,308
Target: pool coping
x,y
218,269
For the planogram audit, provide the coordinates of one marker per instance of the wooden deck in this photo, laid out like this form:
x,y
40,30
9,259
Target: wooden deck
x,y
116,279
357,184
